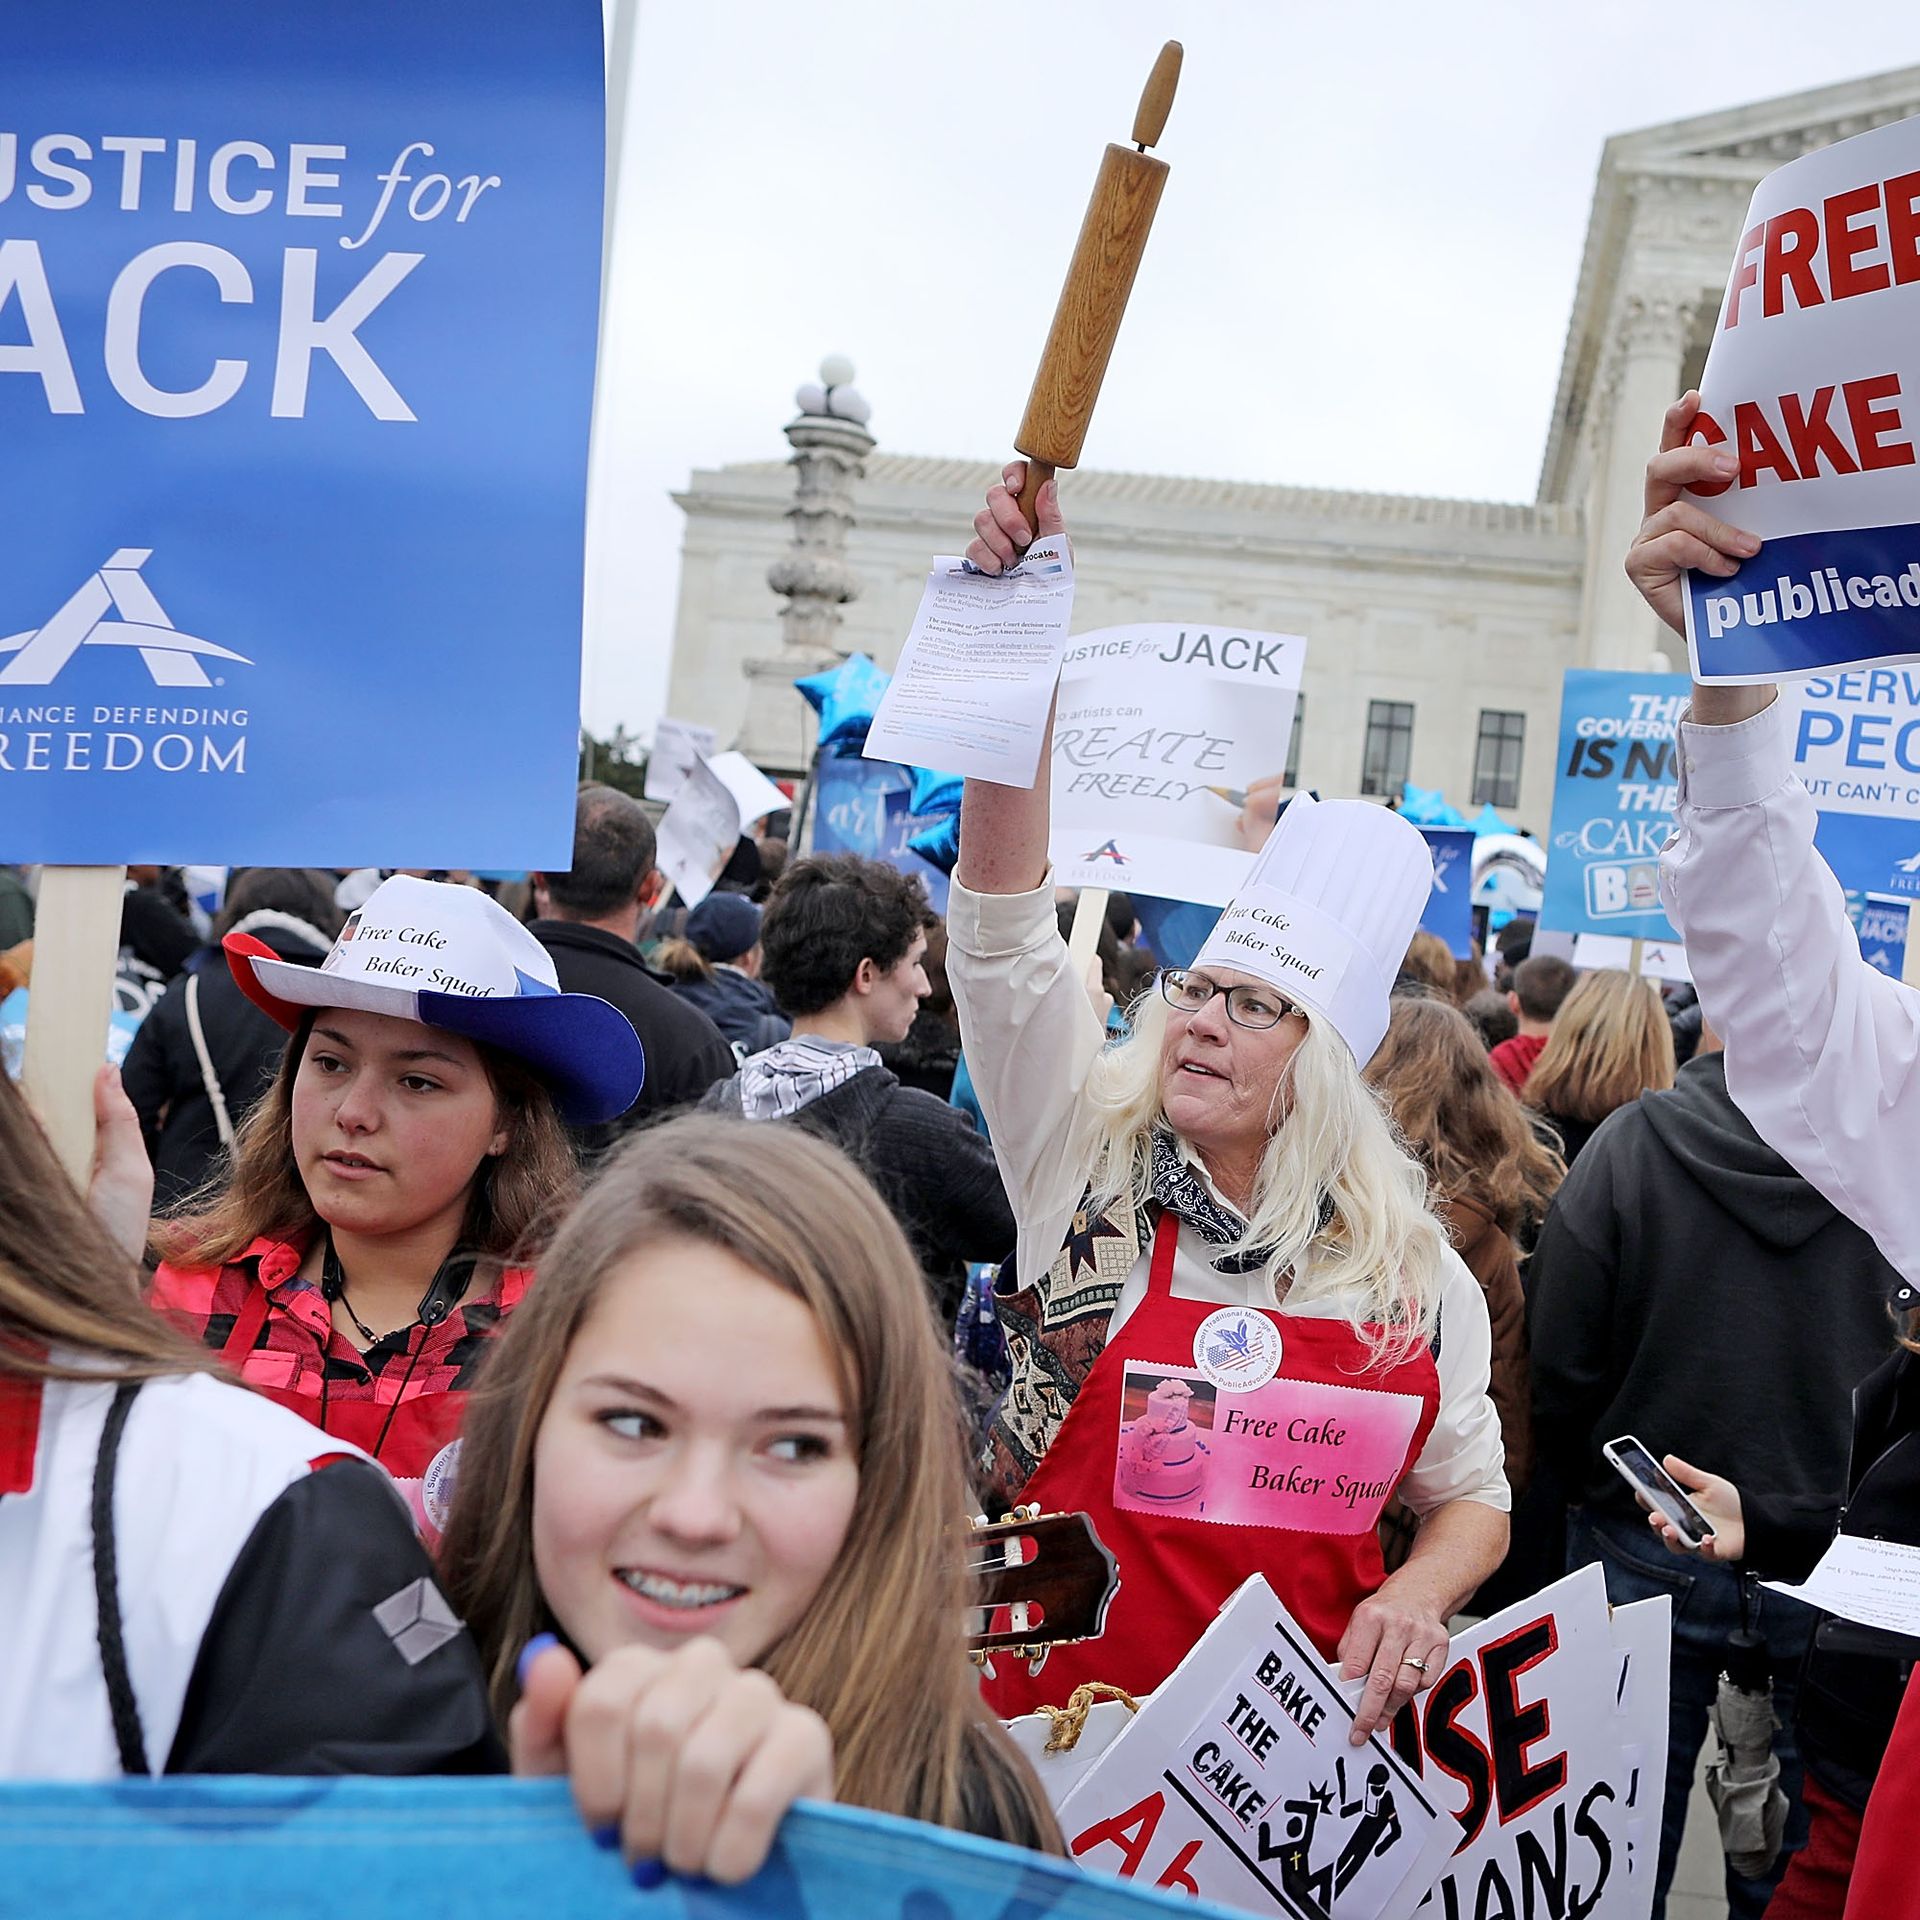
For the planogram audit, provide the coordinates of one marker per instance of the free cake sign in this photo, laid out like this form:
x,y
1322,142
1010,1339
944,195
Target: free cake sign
x,y
1813,383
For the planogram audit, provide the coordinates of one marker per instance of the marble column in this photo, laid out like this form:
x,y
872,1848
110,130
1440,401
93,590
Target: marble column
x,y
1641,380
830,445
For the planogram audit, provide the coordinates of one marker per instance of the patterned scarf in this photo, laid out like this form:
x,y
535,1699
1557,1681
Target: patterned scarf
x,y
1180,1187
776,1084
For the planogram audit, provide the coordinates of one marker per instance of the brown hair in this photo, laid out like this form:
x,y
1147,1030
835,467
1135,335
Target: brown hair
x,y
1610,1044
1430,961
880,1654
1456,1117
64,1283
1541,983
514,1196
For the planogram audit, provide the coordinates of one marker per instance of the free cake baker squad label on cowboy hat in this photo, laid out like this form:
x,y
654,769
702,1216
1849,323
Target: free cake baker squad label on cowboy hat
x,y
449,957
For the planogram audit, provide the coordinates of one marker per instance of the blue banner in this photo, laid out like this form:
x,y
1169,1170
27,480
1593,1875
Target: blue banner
x,y
491,1849
1449,908
1856,747
298,309
1882,929
1810,602
1613,797
866,807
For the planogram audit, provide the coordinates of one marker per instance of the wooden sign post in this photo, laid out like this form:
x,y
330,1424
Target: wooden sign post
x,y
76,944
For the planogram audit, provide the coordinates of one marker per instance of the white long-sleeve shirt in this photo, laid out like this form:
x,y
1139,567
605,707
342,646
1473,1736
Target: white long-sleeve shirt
x,y
1031,1038
1823,1051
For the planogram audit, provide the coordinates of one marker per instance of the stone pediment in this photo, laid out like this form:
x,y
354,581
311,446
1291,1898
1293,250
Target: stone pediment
x,y
1682,186
1769,133
907,483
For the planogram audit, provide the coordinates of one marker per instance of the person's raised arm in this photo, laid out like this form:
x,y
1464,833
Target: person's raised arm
x,y
1823,1052
1003,830
1031,1036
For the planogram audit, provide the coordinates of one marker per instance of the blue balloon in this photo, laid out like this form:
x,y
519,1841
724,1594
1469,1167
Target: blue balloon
x,y
939,845
934,792
844,697
1428,807
1487,821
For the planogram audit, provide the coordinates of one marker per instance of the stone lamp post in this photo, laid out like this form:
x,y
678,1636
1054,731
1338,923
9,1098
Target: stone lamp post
x,y
830,446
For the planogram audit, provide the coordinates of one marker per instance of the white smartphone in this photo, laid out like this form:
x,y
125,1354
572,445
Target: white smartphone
x,y
1631,1460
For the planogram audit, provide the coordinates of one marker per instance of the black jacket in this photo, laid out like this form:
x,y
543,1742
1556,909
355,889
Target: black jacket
x,y
743,1009
1691,1288
162,1073
297,1671
935,1173
686,1053
1854,1678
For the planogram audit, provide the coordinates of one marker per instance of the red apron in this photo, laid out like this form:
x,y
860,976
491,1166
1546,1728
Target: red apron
x,y
1212,1443
415,1437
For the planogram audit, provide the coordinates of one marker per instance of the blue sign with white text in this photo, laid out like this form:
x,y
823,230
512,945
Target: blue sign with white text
x,y
866,807
298,311
1881,926
1810,602
1613,797
1449,908
1856,748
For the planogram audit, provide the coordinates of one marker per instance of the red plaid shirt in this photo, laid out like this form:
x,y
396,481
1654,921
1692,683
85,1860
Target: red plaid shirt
x,y
400,1400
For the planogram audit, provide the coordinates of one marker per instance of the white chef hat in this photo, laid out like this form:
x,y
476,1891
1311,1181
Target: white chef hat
x,y
1326,912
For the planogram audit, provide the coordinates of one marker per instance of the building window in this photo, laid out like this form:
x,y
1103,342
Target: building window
x,y
1383,769
1291,777
1496,758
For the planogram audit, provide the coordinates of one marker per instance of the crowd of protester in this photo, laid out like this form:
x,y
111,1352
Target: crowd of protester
x,y
643,1268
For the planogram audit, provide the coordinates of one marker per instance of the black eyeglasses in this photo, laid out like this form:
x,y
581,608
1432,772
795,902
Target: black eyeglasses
x,y
1253,1007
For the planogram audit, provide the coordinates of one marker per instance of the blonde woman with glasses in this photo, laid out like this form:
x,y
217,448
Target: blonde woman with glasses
x,y
1237,1327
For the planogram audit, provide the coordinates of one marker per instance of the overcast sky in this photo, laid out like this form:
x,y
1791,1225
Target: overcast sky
x,y
1360,275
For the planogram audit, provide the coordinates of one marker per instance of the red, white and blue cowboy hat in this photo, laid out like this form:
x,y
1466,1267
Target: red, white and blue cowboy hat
x,y
451,958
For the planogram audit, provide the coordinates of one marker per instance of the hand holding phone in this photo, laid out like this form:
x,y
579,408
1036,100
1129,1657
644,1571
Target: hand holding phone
x,y
1658,1489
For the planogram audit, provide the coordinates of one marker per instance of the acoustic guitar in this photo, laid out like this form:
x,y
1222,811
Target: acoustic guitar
x,y
1040,1580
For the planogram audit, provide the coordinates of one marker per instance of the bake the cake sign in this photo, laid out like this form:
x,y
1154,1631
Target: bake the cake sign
x,y
1527,1779
1237,1782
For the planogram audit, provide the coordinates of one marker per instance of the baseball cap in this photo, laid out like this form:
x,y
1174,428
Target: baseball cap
x,y
724,926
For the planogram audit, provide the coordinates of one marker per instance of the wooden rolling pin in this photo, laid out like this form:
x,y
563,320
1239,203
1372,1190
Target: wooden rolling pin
x,y
1086,323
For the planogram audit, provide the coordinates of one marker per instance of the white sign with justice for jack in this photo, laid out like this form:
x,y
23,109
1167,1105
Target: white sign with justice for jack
x,y
1159,731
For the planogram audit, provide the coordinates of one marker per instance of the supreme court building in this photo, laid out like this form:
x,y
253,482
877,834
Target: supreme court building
x,y
1438,629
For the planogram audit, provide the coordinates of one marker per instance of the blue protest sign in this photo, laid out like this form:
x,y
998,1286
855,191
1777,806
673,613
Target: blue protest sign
x,y
1449,909
1882,929
1856,747
866,807
298,310
494,1849
1612,803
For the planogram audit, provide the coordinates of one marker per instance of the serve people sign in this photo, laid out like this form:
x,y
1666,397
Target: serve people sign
x,y
298,312
1813,380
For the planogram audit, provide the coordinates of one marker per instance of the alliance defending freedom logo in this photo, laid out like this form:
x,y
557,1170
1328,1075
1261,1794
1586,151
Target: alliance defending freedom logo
x,y
171,657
